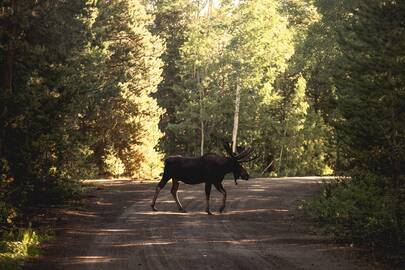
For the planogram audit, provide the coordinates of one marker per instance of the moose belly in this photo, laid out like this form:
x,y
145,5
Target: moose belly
x,y
191,177
192,181
187,170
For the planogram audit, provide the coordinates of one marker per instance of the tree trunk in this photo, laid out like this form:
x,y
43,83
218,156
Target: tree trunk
x,y
7,69
209,6
201,113
282,148
6,83
396,184
236,118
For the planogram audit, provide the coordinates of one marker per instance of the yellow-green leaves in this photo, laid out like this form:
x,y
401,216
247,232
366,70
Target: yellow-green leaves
x,y
127,115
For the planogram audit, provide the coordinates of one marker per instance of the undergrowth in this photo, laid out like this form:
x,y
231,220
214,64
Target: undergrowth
x,y
17,245
361,211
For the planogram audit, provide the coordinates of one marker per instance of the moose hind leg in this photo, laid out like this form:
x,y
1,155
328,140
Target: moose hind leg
x,y
174,189
207,194
159,187
157,190
221,189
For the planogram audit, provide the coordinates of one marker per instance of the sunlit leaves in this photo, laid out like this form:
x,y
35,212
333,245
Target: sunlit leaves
x,y
126,115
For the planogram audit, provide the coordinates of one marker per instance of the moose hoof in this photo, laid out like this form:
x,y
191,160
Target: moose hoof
x,y
208,212
154,208
221,210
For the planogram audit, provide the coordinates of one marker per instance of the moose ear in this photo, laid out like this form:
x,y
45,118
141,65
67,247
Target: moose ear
x,y
228,148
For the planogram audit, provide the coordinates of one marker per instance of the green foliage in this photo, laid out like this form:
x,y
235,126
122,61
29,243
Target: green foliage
x,y
17,245
113,164
368,119
249,44
76,82
255,50
123,115
38,40
78,163
371,98
359,210
172,20
4,207
85,86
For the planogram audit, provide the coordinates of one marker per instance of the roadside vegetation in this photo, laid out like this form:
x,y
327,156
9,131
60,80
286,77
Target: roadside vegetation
x,y
109,88
367,207
16,245
360,212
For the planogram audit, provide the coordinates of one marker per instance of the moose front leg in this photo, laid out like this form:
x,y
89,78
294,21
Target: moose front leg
x,y
157,190
174,189
207,194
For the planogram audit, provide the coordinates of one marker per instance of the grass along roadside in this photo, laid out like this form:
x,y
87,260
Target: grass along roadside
x,y
18,245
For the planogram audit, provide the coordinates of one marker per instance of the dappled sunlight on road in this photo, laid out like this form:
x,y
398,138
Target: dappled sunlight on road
x,y
260,229
168,232
247,211
140,244
94,259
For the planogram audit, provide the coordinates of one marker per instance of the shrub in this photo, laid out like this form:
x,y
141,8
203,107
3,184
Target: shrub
x,y
360,209
112,163
18,244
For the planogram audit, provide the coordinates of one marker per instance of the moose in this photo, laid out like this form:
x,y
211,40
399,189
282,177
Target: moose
x,y
209,169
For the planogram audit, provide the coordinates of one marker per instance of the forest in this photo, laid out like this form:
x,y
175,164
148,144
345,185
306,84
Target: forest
x,y
100,88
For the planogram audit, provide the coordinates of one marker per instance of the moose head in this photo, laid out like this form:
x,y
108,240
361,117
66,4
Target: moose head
x,y
243,156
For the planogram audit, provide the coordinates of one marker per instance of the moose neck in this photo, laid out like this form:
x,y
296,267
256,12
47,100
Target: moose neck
x,y
230,164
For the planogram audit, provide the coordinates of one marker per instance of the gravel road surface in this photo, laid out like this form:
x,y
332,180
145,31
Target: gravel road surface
x,y
262,228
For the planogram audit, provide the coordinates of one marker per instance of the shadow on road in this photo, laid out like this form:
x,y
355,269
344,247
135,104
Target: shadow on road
x,y
261,229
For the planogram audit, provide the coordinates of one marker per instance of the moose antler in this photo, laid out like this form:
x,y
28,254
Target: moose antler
x,y
244,154
242,157
247,159
228,148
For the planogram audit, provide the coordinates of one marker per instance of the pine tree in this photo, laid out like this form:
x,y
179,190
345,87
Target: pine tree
x,y
38,39
124,117
171,23
371,99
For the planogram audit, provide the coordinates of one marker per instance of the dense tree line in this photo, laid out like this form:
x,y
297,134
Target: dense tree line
x,y
246,48
92,88
357,53
321,92
75,97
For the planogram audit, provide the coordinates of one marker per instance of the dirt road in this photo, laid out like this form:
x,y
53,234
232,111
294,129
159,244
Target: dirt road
x,y
261,229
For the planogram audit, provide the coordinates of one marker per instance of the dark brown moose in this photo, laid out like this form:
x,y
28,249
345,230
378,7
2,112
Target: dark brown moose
x,y
209,169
